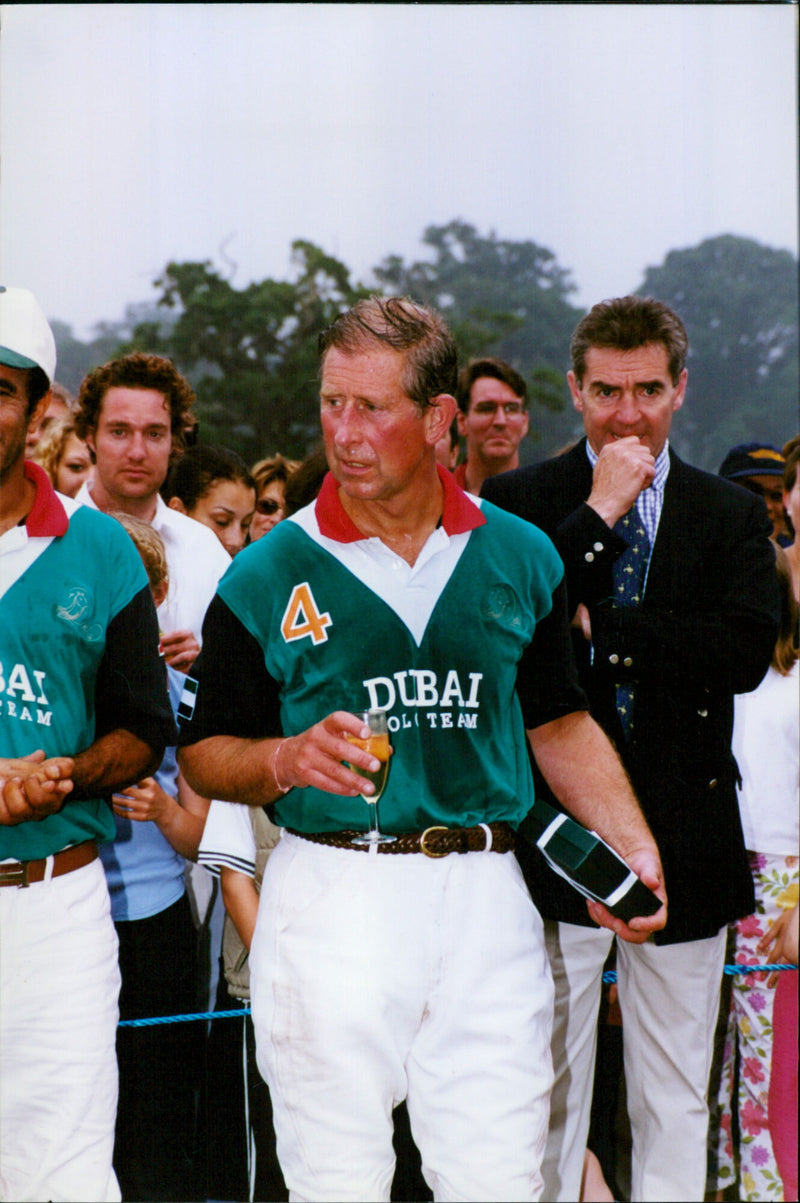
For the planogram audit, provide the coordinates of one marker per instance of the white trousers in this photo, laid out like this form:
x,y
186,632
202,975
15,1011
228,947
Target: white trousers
x,y
669,997
59,986
375,978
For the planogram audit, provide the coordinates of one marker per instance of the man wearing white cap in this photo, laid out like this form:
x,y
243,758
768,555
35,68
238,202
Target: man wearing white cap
x,y
76,623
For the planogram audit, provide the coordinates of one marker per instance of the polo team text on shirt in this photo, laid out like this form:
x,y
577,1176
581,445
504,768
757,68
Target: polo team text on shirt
x,y
23,698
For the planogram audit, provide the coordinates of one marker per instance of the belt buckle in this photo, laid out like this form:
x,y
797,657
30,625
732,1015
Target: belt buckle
x,y
14,873
422,838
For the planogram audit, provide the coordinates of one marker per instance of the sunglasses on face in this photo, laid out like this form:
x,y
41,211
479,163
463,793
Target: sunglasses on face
x,y
268,506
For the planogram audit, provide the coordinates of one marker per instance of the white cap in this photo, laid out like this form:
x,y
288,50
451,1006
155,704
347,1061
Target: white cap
x,y
26,340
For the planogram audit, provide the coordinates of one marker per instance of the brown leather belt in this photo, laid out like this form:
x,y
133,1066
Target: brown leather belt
x,y
26,872
434,841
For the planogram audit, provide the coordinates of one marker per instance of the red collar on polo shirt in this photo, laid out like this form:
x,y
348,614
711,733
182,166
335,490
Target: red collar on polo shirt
x,y
48,516
460,475
460,514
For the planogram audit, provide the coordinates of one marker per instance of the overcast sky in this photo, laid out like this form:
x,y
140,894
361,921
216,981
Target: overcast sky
x,y
135,134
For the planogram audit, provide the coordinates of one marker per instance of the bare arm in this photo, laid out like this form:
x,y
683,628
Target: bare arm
x,y
780,942
245,770
241,902
180,820
113,761
586,775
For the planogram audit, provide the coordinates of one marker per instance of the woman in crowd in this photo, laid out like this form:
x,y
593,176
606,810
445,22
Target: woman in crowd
x,y
780,946
270,476
766,738
64,457
213,486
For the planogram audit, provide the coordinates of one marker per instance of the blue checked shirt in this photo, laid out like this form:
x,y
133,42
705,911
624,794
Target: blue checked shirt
x,y
651,499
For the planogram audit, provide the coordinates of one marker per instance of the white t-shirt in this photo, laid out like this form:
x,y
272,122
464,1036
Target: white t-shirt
x,y
766,744
196,561
228,840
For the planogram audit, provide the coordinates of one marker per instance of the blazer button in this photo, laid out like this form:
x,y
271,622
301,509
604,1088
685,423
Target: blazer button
x,y
589,557
627,662
598,546
703,713
613,658
712,783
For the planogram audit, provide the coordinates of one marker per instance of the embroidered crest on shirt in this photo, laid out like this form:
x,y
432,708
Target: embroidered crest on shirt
x,y
501,605
77,613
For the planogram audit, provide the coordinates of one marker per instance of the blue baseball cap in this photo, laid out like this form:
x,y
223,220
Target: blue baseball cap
x,y
752,459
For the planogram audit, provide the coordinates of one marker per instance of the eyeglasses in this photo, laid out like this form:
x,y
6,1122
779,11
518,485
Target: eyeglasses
x,y
512,409
268,506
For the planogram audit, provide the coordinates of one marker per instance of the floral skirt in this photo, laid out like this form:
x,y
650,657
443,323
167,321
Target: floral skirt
x,y
744,1148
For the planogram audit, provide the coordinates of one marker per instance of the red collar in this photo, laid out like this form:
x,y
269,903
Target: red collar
x,y
460,514
48,516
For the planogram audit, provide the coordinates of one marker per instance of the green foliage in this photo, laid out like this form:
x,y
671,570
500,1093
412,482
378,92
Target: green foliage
x,y
251,353
500,298
739,302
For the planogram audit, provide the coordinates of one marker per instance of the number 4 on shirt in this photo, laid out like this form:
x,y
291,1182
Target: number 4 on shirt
x,y
302,617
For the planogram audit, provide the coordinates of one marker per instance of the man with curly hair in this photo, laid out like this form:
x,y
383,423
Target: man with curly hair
x,y
132,413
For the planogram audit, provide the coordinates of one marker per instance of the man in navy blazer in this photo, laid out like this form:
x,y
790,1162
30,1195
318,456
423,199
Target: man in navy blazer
x,y
660,662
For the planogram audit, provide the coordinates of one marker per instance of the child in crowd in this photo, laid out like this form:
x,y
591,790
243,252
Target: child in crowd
x,y
159,823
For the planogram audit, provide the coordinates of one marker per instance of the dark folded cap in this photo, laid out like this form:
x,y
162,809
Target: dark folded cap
x,y
752,459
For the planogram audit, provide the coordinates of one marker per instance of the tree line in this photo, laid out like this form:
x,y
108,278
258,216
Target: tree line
x,y
250,352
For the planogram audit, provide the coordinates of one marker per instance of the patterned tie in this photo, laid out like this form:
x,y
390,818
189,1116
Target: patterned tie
x,y
629,576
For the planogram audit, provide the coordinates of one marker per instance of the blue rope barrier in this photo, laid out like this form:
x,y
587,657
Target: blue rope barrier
x,y
154,1019
608,977
731,970
735,970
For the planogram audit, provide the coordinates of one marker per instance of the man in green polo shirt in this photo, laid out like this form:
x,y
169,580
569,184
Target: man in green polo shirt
x,y
415,969
83,712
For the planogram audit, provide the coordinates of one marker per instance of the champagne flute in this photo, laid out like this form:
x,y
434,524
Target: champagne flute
x,y
378,746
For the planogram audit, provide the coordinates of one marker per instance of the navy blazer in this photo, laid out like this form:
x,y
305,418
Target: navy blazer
x,y
705,630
